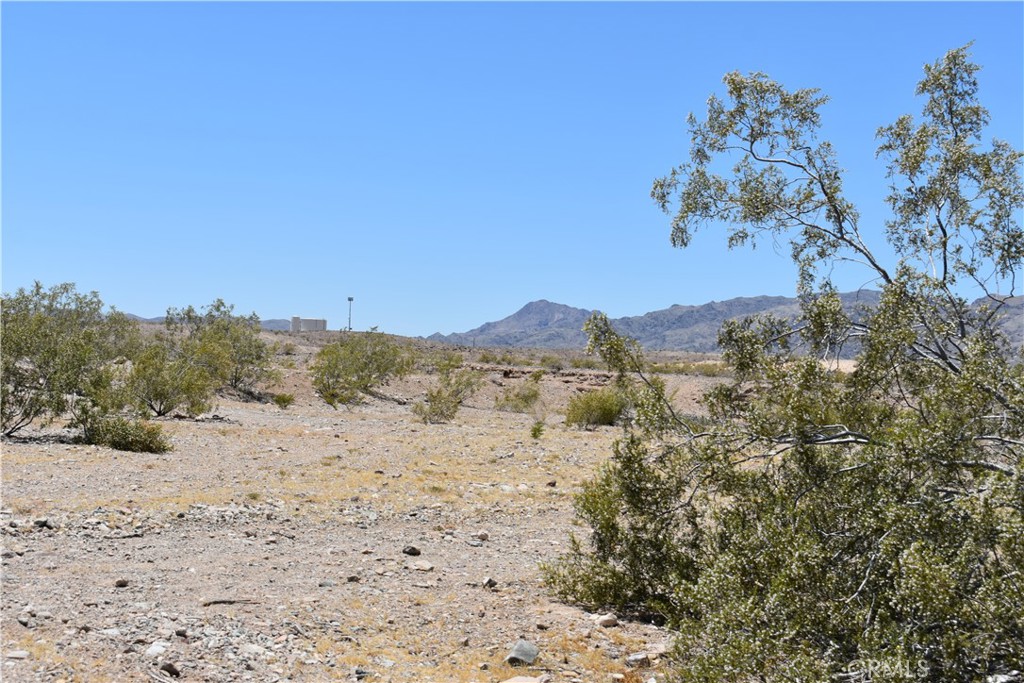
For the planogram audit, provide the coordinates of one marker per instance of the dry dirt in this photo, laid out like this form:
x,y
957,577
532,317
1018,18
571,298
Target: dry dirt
x,y
273,545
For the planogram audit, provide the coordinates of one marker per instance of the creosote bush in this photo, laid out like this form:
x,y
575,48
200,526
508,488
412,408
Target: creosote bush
x,y
523,397
357,365
826,526
63,356
455,384
596,408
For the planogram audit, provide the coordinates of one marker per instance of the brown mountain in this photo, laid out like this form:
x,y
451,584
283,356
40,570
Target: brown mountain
x,y
543,324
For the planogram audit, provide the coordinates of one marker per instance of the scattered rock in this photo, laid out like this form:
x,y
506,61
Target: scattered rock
x,y
489,583
606,620
411,550
17,654
121,583
523,653
638,660
422,566
157,649
170,669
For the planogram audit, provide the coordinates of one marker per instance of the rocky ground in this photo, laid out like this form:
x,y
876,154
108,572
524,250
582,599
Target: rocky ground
x,y
310,544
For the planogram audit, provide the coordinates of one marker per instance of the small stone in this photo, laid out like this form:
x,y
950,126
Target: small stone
x,y
607,620
252,649
489,583
156,649
523,653
121,583
411,550
326,583
17,654
638,660
475,543
522,679
542,626
423,566
112,632
170,669
552,483
482,535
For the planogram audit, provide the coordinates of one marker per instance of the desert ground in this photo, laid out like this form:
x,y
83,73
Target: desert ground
x,y
313,544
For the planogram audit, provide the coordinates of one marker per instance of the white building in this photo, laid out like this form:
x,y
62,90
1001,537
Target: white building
x,y
308,324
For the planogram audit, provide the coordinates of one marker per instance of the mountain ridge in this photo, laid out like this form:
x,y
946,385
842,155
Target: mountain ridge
x,y
544,324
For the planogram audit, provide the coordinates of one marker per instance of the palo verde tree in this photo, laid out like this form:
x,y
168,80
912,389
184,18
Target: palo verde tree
x,y
821,525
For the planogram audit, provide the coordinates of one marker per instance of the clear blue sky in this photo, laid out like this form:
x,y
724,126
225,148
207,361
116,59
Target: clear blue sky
x,y
443,163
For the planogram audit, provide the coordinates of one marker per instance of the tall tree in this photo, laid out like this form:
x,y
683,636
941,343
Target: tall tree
x,y
823,525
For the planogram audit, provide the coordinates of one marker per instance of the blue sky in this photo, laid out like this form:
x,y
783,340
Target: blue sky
x,y
443,163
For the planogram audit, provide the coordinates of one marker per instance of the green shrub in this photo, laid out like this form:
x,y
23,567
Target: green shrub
x,y
521,398
169,374
825,526
537,430
59,354
595,408
552,362
283,401
585,363
455,385
122,434
345,371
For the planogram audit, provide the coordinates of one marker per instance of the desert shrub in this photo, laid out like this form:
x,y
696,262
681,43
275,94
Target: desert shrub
x,y
455,384
700,369
522,398
284,401
585,363
596,408
537,429
552,362
59,354
825,526
173,373
229,346
356,365
124,434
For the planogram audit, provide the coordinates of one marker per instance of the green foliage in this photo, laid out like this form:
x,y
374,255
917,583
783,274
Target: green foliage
x,y
826,526
537,430
228,346
173,373
521,398
356,365
58,351
123,434
594,408
455,385
284,401
552,362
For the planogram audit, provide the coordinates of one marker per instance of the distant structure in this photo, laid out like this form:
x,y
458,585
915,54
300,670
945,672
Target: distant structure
x,y
308,324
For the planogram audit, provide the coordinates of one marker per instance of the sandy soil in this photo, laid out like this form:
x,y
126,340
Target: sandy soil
x,y
310,544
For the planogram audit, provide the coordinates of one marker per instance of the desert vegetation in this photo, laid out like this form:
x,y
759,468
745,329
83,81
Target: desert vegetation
x,y
818,525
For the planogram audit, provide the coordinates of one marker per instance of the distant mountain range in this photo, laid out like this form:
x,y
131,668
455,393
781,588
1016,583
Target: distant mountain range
x,y
546,325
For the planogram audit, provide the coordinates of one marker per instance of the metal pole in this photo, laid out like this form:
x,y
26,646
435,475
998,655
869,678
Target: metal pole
x,y
350,313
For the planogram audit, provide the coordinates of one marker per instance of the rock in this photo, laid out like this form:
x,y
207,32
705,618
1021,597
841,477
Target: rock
x,y
489,583
411,550
361,674
121,583
482,535
252,649
606,620
17,654
1012,677
157,649
326,583
523,653
112,632
170,669
522,679
638,660
422,566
